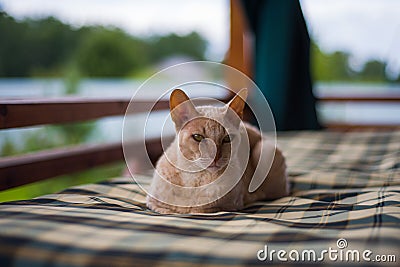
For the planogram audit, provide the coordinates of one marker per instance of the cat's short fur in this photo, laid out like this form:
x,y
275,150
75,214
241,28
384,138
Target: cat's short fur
x,y
184,163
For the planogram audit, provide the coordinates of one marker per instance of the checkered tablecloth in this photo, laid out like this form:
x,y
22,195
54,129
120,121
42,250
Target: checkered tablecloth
x,y
345,186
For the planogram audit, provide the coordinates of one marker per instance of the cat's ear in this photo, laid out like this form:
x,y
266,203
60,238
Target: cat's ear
x,y
182,109
238,102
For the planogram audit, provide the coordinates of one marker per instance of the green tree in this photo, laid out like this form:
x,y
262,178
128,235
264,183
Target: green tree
x,y
48,47
330,67
374,71
110,53
35,46
192,45
11,32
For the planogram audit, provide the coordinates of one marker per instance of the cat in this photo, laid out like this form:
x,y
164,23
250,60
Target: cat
x,y
211,143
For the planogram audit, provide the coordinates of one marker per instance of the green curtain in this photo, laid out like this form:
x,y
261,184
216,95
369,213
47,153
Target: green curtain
x,y
282,61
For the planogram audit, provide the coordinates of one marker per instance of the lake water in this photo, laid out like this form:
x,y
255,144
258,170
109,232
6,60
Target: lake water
x,y
360,113
110,129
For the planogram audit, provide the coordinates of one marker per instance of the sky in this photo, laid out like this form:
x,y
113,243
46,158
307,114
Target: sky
x,y
367,29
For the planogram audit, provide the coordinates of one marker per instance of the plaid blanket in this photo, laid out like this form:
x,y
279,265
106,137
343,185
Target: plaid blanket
x,y
345,203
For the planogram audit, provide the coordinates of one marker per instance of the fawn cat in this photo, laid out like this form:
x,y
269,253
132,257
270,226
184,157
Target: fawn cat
x,y
211,162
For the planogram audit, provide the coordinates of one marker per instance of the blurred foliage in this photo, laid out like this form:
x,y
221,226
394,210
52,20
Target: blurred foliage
x,y
336,67
8,148
48,47
375,71
193,44
35,46
48,137
113,53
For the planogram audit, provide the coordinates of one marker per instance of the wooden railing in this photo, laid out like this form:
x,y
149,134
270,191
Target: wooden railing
x,y
24,169
367,99
32,167
28,112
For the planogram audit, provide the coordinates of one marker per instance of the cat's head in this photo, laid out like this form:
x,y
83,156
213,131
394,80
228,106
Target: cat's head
x,y
207,134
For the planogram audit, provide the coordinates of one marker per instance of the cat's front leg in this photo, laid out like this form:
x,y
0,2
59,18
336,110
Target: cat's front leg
x,y
159,207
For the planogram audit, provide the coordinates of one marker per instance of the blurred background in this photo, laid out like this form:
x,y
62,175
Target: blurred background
x,y
108,48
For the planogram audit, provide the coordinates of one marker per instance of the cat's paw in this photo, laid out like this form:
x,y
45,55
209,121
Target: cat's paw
x,y
162,210
157,206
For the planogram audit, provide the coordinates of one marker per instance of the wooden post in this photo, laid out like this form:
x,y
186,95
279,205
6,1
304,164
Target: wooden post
x,y
240,50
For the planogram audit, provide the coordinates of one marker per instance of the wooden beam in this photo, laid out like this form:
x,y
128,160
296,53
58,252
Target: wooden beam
x,y
360,127
240,50
19,170
354,126
361,98
28,112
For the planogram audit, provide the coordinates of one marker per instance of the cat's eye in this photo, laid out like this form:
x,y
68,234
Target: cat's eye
x,y
227,139
198,137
